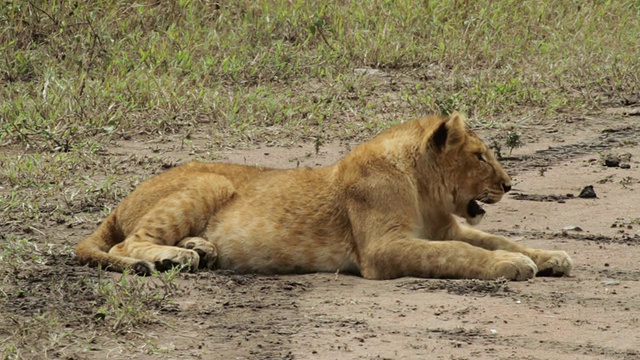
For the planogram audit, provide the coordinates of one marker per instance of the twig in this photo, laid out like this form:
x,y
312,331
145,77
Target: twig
x,y
44,12
319,28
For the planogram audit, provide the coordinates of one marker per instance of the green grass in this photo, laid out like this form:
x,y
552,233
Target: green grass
x,y
131,301
79,73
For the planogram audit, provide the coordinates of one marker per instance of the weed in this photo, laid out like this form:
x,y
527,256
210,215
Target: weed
x,y
627,181
317,143
542,170
513,141
497,148
131,300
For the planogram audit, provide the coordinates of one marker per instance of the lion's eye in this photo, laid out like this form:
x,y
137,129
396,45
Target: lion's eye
x,y
480,157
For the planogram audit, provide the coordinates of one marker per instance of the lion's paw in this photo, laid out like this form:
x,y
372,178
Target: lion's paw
x,y
513,266
552,263
206,250
175,257
143,268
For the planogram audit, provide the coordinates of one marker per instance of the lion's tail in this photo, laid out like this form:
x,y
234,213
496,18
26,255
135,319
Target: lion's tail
x,y
94,250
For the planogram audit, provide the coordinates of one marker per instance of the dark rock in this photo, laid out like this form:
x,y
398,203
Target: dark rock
x,y
625,166
611,162
588,193
572,228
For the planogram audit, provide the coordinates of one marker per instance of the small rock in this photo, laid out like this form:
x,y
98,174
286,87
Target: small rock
x,y
493,331
611,282
625,166
572,228
611,162
588,193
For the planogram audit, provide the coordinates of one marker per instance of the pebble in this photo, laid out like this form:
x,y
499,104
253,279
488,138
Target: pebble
x,y
588,193
611,162
572,228
611,282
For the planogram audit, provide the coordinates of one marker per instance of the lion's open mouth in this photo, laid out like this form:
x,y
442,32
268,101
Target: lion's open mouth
x,y
474,209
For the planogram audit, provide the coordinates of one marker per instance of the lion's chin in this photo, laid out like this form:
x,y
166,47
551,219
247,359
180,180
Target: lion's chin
x,y
475,213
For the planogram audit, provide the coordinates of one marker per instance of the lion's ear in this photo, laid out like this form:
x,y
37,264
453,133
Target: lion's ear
x,y
450,132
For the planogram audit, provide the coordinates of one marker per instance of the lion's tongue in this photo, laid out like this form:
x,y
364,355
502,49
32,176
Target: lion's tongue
x,y
474,209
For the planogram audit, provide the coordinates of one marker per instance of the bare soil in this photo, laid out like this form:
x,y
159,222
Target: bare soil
x,y
47,312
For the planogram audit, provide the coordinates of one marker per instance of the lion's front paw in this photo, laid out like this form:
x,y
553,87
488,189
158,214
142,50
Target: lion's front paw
x,y
513,266
206,250
552,263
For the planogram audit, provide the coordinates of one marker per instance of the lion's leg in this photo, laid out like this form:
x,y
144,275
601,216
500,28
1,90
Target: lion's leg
x,y
442,259
143,245
164,235
549,263
386,248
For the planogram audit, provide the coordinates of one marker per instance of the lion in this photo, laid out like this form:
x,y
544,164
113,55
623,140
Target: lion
x,y
390,208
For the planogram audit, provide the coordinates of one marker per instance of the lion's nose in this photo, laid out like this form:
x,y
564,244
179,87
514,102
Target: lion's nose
x,y
506,187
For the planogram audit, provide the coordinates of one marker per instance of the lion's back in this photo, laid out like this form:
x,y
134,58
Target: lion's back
x,y
206,182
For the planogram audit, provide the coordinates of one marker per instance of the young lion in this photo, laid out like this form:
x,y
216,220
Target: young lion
x,y
384,211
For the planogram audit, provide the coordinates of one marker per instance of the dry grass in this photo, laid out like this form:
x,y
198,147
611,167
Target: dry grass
x,y
75,74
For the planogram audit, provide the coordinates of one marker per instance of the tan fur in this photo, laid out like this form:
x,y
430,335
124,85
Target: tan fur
x,y
384,211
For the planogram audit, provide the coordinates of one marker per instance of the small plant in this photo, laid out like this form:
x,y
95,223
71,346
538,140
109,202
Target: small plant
x,y
497,148
134,300
317,143
513,141
16,252
318,26
448,104
627,181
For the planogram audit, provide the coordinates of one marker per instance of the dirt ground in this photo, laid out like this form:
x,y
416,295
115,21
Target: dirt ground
x,y
594,314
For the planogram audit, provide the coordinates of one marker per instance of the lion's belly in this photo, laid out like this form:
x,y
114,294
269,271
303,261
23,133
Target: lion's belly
x,y
276,233
256,245
287,222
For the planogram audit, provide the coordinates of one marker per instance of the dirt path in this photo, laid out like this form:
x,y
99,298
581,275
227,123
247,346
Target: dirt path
x,y
595,314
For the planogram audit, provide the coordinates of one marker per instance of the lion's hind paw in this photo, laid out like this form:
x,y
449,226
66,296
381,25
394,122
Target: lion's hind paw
x,y
206,250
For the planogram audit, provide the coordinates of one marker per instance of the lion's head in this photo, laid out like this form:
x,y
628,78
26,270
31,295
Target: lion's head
x,y
471,170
